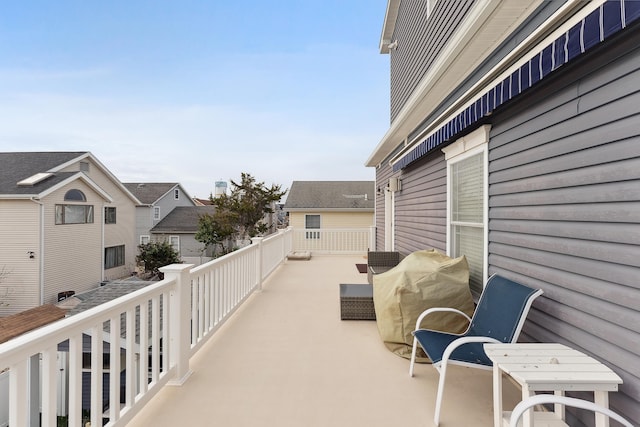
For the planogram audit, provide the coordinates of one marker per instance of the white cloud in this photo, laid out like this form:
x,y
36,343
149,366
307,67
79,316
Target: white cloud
x,y
194,144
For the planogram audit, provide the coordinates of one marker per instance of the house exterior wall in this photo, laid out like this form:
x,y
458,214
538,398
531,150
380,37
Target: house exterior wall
x,y
144,214
421,207
73,254
564,208
189,246
422,39
563,186
167,203
144,222
19,274
383,173
123,231
333,219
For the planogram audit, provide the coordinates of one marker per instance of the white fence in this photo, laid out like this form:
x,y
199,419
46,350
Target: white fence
x,y
146,337
338,240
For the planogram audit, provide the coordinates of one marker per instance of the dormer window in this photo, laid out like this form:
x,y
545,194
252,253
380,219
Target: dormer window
x,y
176,194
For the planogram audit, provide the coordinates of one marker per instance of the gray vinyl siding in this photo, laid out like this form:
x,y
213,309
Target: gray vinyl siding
x,y
420,40
421,207
383,173
564,209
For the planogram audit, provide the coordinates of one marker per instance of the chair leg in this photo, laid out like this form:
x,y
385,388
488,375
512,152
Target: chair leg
x,y
443,372
413,356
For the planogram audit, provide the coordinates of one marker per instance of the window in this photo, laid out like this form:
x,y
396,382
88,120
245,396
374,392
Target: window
x,y
144,240
175,243
74,214
74,196
113,257
467,204
84,166
176,194
312,221
109,215
156,212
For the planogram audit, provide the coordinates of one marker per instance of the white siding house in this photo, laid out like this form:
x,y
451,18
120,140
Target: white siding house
x,y
53,235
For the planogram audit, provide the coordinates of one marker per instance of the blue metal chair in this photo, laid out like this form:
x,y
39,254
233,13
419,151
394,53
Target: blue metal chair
x,y
498,318
541,399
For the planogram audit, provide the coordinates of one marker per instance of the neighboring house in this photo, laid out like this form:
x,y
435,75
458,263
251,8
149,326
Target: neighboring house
x,y
179,228
514,140
157,201
330,204
66,225
202,202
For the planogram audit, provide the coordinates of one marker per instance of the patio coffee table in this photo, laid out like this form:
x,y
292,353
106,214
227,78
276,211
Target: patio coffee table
x,y
549,367
356,302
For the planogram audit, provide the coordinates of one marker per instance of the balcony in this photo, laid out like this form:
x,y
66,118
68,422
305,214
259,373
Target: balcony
x,y
240,350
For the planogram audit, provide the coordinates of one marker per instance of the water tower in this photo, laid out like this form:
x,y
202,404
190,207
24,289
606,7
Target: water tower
x,y
221,188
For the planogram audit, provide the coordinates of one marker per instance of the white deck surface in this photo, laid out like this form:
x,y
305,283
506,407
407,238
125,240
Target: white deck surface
x,y
285,359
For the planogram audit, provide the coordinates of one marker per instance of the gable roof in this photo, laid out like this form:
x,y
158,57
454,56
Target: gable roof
x,y
182,219
331,195
15,167
150,192
47,165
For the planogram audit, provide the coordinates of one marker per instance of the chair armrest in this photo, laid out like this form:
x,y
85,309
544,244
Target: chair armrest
x,y
462,341
436,310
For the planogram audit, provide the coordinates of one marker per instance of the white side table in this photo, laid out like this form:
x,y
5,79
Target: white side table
x,y
549,367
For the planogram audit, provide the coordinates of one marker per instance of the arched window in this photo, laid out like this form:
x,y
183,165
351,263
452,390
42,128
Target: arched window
x,y
75,195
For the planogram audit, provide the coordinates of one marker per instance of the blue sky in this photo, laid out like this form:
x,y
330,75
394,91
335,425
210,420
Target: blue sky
x,y
197,91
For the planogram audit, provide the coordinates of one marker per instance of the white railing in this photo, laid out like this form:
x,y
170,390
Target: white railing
x,y
337,240
149,335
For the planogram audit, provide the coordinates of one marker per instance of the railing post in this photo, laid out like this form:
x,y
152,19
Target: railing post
x,y
180,321
259,264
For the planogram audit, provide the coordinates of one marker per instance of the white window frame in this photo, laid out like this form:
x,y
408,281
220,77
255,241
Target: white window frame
x,y
156,213
176,194
477,142
144,239
312,234
174,241
119,256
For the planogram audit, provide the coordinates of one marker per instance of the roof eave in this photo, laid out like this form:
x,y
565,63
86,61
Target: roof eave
x,y
389,25
440,81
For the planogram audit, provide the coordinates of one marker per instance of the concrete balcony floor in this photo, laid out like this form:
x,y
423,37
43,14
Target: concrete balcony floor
x,y
286,359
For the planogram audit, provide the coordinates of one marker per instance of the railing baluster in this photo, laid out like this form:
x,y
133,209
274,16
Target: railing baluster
x,y
114,368
155,339
96,374
143,339
18,393
75,379
49,395
130,375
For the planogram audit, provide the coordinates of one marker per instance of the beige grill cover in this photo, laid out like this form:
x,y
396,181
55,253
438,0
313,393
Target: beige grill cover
x,y
422,280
